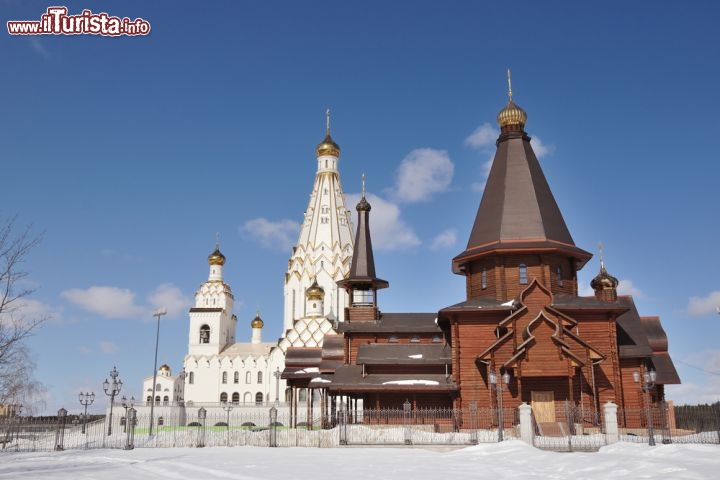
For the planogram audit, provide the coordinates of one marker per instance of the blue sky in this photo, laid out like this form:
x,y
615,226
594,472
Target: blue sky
x,y
130,153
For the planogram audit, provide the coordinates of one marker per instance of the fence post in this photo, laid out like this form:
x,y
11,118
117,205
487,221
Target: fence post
x,y
343,424
273,427
474,423
612,434
130,428
406,417
526,426
60,432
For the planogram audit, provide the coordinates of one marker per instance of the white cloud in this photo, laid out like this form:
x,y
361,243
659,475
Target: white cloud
x,y
422,173
484,136
110,302
388,230
280,235
29,310
108,348
706,388
170,297
700,306
540,148
626,287
445,239
585,290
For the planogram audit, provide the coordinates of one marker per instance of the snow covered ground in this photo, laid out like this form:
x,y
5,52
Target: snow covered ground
x,y
510,459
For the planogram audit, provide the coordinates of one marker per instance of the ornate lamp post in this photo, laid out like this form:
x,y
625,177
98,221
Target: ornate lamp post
x,y
158,313
85,400
127,404
504,380
227,407
647,383
111,390
277,374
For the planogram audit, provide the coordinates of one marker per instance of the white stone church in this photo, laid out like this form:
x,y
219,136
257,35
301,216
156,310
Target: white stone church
x,y
217,368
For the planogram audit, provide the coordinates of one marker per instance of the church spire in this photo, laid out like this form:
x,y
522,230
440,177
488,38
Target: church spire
x,y
327,146
604,284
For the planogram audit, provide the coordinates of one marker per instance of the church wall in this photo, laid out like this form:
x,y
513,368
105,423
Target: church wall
x,y
473,337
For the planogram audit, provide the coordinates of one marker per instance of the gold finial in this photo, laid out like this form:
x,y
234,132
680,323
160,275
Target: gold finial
x,y
602,263
327,121
509,85
217,239
363,185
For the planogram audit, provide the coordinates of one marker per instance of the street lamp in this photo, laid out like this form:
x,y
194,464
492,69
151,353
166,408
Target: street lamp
x,y
158,313
112,389
227,407
647,383
127,404
85,400
504,380
277,374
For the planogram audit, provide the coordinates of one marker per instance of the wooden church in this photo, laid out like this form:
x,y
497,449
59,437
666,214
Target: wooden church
x,y
523,334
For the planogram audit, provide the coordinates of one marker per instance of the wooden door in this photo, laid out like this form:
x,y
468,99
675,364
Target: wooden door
x,y
543,406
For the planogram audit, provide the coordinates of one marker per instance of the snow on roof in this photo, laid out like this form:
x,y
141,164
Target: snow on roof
x,y
411,382
417,355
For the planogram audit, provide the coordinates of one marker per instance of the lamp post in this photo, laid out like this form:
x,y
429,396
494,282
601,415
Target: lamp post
x,y
60,433
647,383
112,389
85,400
127,404
504,380
158,313
228,408
276,374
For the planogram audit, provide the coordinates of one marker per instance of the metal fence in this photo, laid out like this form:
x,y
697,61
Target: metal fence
x,y
571,429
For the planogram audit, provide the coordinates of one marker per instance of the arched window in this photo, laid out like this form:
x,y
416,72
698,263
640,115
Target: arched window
x,y
259,377
248,377
522,274
223,397
236,398
236,377
191,377
157,387
247,398
205,334
483,279
166,400
149,399
258,398
224,377
157,400
559,275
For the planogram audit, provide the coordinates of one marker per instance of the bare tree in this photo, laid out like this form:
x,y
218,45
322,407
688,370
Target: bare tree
x,y
17,384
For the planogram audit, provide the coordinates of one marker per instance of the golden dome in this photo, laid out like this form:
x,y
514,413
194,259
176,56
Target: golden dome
x,y
512,114
315,292
604,281
257,322
165,367
328,147
216,258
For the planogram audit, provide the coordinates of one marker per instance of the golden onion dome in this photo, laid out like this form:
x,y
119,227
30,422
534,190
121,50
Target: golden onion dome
x,y
512,114
328,147
257,322
165,367
315,292
604,281
216,258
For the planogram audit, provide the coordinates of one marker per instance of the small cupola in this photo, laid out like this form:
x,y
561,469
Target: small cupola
x,y
604,284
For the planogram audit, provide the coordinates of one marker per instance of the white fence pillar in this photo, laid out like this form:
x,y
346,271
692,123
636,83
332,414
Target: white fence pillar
x,y
611,424
526,426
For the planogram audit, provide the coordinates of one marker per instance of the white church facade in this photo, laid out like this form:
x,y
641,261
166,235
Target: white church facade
x,y
217,369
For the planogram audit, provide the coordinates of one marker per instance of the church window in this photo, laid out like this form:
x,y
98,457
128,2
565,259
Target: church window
x,y
393,339
157,387
161,421
191,378
247,377
258,398
236,398
559,275
414,339
325,191
247,398
483,278
259,377
149,399
204,334
166,400
157,400
224,377
223,397
325,163
236,377
522,274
